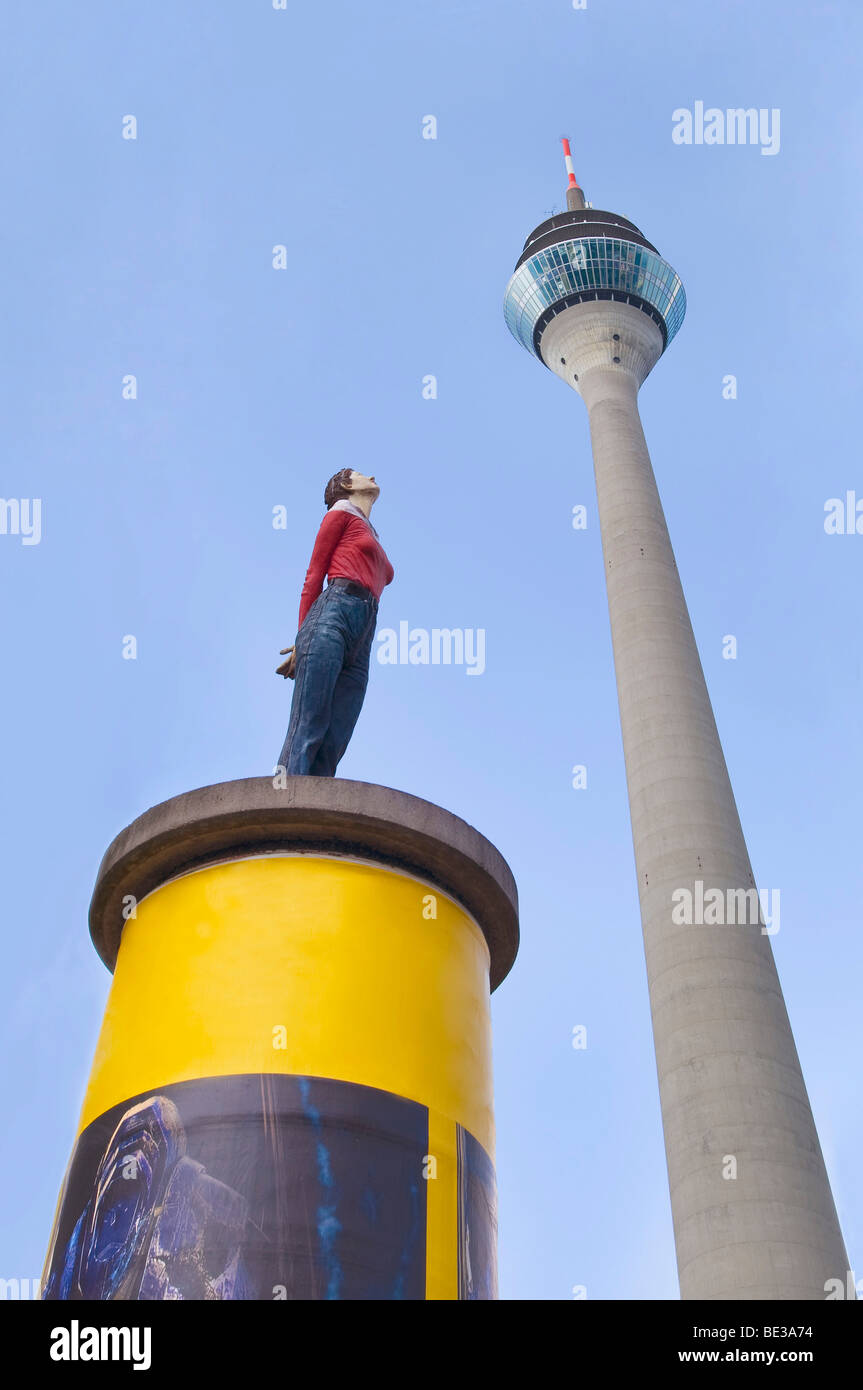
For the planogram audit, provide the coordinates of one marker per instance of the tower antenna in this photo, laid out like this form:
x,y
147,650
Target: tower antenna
x,y
574,194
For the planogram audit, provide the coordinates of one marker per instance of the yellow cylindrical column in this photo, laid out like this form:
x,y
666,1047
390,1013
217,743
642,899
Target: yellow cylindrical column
x,y
291,1095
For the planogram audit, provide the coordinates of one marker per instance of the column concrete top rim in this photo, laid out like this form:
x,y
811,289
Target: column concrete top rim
x,y
333,815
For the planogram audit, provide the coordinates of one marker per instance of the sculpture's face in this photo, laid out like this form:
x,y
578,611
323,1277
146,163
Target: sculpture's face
x,y
360,483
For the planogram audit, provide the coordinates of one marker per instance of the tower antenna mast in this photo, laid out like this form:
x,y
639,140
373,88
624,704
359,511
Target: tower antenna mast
x,y
574,194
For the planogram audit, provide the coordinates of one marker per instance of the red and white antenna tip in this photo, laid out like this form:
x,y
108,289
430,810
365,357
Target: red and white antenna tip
x,y
567,156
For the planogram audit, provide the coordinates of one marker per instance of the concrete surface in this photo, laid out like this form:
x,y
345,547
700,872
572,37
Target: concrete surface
x,y
730,1081
330,814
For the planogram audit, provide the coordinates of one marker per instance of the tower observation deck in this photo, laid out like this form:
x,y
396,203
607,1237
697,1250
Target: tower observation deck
x,y
583,256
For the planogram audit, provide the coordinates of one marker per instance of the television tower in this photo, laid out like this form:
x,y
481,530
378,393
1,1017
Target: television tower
x,y
753,1213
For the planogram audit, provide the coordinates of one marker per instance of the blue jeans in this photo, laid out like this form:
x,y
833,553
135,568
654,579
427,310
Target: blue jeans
x,y
332,654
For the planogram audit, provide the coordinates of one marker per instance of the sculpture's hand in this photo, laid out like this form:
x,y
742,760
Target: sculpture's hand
x,y
288,668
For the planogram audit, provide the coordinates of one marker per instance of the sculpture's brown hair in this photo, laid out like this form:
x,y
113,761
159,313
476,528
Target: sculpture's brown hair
x,y
338,487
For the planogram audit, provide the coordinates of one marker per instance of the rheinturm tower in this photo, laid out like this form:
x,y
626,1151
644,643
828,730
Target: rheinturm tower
x,y
753,1213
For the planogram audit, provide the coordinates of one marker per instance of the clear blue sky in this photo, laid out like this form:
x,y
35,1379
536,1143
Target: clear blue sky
x,y
303,127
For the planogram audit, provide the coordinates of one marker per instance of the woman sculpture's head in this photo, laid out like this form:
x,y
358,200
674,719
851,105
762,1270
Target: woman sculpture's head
x,y
347,483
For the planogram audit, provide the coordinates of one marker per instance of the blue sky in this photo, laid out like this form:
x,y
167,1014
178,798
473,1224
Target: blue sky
x,y
303,127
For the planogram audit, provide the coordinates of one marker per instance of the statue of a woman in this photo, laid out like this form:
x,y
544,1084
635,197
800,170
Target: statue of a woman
x,y
329,660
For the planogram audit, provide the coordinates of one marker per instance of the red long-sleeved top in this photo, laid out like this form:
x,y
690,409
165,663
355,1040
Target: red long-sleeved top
x,y
345,548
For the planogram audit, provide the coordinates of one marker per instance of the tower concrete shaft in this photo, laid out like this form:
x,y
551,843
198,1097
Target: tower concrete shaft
x,y
753,1213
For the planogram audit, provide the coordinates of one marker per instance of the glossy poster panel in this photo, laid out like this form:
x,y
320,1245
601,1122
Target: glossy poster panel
x,y
246,1187
477,1220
